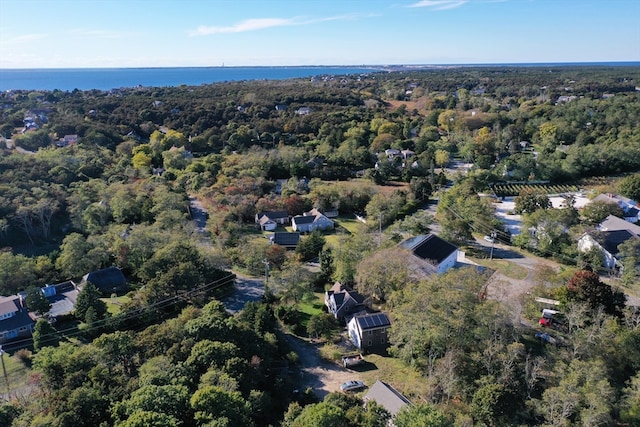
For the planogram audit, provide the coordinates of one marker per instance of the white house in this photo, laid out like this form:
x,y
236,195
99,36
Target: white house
x,y
630,207
311,221
435,255
14,318
608,236
269,221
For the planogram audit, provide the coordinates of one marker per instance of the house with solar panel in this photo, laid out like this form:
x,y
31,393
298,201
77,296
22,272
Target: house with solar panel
x,y
369,332
431,253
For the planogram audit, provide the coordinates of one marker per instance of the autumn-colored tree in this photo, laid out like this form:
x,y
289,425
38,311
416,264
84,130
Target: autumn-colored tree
x,y
586,286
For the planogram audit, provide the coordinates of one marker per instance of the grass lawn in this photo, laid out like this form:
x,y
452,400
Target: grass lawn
x,y
310,307
405,379
114,305
350,224
17,373
509,269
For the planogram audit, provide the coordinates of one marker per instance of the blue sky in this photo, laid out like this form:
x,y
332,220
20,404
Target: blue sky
x,y
150,33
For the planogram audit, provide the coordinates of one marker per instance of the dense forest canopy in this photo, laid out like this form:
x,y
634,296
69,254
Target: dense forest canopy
x,y
95,179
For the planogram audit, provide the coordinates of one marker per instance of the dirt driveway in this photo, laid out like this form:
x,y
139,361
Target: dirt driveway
x,y
322,376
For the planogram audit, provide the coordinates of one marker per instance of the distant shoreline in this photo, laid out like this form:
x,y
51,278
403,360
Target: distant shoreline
x,y
69,79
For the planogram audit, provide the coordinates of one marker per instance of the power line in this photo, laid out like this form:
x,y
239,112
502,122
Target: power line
x,y
489,229
73,332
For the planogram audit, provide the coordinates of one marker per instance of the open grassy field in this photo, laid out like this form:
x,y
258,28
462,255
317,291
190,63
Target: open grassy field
x,y
507,268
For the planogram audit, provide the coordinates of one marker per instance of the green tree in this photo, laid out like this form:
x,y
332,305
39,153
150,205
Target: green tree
x,y
73,260
630,186
595,212
292,283
321,324
212,404
36,301
442,158
118,349
629,255
489,404
384,272
169,400
150,419
321,414
583,396
422,415
89,296
460,210
529,201
310,246
631,401
421,188
44,335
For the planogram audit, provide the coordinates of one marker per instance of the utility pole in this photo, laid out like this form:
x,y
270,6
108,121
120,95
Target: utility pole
x,y
266,270
4,371
493,240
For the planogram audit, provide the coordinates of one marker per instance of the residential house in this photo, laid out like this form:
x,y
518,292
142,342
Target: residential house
x,y
311,221
269,221
630,207
343,302
62,297
285,239
387,397
608,236
433,254
15,321
368,332
107,281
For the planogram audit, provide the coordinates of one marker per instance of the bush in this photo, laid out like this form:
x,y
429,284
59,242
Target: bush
x,y
25,356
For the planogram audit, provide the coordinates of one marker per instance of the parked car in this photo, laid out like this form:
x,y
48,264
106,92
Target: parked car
x,y
353,385
489,239
349,361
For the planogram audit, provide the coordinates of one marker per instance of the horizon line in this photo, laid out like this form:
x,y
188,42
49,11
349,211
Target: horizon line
x,y
386,65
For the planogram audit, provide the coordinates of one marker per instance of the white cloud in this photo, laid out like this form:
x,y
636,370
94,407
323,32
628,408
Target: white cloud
x,y
102,34
25,38
263,23
439,4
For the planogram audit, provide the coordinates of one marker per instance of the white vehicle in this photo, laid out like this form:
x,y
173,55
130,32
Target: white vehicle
x,y
489,239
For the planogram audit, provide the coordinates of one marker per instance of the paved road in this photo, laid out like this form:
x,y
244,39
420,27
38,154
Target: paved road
x,y
247,289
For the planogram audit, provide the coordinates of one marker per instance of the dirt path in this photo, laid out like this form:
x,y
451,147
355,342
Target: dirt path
x,y
322,376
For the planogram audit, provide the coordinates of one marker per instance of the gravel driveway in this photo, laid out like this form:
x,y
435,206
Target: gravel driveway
x,y
322,376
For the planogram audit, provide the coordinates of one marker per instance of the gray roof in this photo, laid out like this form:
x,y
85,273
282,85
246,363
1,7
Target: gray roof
x,y
613,223
9,305
19,319
107,279
64,301
387,397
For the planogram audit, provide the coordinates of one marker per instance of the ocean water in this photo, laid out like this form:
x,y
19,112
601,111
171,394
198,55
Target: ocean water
x,y
68,79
